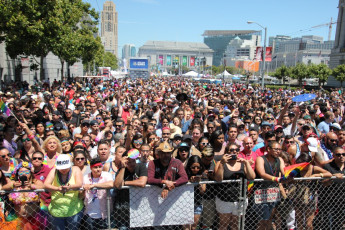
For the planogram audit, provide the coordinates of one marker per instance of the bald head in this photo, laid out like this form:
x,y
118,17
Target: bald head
x,y
248,145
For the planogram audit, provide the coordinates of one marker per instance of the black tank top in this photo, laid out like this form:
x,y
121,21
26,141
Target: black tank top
x,y
230,192
271,169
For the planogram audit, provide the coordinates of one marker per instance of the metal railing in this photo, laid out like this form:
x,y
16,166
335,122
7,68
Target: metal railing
x,y
304,203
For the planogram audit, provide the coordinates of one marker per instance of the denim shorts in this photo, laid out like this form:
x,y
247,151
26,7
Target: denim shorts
x,y
198,209
264,210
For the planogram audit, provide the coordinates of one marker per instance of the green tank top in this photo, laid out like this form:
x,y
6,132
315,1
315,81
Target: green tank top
x,y
65,205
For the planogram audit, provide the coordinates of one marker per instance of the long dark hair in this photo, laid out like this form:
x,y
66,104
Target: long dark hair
x,y
214,137
3,180
194,159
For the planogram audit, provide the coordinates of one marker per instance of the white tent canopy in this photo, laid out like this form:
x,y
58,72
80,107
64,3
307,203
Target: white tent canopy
x,y
225,73
191,74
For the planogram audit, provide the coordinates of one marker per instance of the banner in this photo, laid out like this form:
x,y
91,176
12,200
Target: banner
x,y
184,61
147,208
192,61
259,54
138,63
160,59
169,60
176,60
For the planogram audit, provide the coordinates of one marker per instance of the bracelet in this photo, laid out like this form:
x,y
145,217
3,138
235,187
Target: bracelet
x,y
273,178
277,179
321,174
31,136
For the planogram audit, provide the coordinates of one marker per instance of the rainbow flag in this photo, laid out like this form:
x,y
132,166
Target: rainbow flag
x,y
4,108
250,185
294,170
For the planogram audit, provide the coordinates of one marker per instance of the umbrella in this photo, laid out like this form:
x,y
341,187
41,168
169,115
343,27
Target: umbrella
x,y
304,97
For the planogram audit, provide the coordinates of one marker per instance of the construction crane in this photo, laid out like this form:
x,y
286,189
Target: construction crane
x,y
330,27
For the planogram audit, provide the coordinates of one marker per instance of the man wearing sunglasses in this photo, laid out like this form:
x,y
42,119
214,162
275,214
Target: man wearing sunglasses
x,y
41,172
329,209
328,144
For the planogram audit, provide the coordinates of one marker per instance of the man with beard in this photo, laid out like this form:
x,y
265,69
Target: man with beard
x,y
166,171
328,144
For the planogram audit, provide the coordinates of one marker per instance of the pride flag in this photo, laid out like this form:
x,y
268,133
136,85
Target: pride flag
x,y
293,170
4,108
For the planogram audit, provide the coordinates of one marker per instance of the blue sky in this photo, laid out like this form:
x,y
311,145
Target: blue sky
x,y
186,20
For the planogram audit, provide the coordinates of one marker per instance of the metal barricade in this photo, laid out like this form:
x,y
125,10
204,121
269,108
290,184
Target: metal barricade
x,y
304,203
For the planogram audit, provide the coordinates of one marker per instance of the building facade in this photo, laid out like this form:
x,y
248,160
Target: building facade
x,y
128,51
338,52
166,55
289,51
218,41
19,69
109,25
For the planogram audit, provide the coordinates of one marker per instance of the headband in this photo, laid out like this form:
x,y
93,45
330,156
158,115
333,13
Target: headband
x,y
95,165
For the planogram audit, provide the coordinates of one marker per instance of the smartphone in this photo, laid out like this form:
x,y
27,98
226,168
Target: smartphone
x,y
210,171
233,157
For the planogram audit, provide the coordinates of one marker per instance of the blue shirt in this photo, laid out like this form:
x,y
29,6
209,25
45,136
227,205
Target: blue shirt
x,y
324,127
258,146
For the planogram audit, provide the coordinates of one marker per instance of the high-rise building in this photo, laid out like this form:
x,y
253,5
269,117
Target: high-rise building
x,y
128,51
218,41
338,52
109,32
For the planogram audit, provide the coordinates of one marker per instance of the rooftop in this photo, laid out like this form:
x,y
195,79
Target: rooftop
x,y
228,32
165,45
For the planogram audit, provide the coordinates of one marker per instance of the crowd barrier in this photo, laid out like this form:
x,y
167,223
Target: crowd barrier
x,y
304,203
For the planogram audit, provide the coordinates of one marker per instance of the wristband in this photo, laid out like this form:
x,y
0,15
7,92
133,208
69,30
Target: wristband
x,y
31,136
273,178
321,174
277,179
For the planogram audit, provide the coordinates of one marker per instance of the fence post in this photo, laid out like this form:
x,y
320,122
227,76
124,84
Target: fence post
x,y
108,209
244,196
240,202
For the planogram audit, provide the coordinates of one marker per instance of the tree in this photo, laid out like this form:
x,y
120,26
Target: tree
x,y
36,27
339,73
300,72
320,71
107,60
282,72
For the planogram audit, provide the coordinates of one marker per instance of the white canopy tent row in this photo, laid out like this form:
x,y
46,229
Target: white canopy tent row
x,y
192,74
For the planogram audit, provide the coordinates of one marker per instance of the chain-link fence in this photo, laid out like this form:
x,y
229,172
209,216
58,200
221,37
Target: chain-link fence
x,y
305,203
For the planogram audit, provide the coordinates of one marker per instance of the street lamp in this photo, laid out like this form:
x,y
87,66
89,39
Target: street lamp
x,y
264,56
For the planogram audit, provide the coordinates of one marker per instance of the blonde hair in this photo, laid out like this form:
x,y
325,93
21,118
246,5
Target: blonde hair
x,y
64,133
45,142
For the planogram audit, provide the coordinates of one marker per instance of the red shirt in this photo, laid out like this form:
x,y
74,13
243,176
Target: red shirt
x,y
42,176
252,156
261,151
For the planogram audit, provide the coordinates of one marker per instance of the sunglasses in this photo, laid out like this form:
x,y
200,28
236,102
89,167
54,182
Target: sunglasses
x,y
165,133
24,173
138,142
26,139
279,131
98,118
340,154
7,155
270,119
289,142
37,158
80,159
184,150
204,143
333,140
234,150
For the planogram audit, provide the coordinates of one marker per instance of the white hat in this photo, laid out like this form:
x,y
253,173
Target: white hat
x,y
336,125
312,144
63,161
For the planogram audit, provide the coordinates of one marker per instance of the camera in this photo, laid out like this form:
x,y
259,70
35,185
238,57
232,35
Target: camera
x,y
233,157
23,179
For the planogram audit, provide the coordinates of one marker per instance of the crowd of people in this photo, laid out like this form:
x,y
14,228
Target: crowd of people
x,y
105,134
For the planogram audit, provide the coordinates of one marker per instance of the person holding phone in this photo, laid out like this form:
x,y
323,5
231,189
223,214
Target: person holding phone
x,y
230,167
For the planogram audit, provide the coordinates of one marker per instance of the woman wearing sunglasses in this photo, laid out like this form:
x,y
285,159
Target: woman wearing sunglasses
x,y
136,142
194,170
80,160
26,150
230,167
26,204
203,142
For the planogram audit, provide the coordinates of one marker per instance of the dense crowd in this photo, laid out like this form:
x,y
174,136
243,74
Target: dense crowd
x,y
104,134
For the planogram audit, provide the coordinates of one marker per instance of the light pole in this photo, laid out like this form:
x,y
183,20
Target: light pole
x,y
264,56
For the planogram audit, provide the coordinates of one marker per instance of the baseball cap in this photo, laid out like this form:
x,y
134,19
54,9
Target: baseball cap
x,y
183,145
177,136
58,126
278,127
312,144
93,122
63,161
215,111
186,137
265,123
56,112
336,125
307,117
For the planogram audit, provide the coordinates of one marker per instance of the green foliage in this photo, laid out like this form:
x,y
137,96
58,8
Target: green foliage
x,y
339,73
107,59
282,72
320,71
37,27
299,72
280,87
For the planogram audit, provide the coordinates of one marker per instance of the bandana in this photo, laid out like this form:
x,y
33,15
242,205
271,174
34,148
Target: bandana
x,y
95,165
